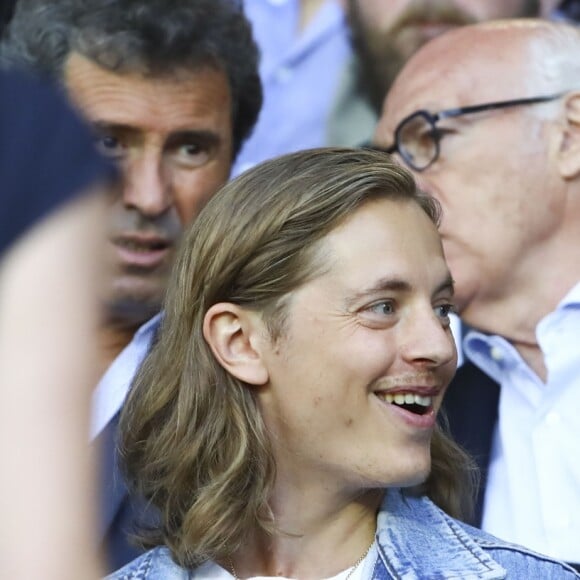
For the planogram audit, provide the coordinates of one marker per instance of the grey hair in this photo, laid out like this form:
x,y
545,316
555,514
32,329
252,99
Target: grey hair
x,y
554,58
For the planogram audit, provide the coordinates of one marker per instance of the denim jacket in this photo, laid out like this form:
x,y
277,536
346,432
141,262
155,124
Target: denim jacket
x,y
415,541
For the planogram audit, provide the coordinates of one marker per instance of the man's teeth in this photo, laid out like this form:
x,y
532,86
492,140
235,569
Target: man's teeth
x,y
406,399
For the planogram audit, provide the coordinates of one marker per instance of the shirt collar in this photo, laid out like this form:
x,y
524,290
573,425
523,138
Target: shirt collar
x,y
110,393
572,299
494,355
408,524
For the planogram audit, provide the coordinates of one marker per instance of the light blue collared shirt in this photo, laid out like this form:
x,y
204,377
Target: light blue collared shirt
x,y
110,394
533,490
300,75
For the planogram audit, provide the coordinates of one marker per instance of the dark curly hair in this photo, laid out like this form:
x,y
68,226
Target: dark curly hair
x,y
152,37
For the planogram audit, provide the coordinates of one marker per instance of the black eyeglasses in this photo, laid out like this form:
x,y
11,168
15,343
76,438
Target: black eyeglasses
x,y
417,136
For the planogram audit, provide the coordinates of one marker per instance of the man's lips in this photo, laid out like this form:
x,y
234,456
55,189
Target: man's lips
x,y
416,405
142,250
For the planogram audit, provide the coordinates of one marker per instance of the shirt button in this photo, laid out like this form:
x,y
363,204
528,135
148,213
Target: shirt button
x,y
496,353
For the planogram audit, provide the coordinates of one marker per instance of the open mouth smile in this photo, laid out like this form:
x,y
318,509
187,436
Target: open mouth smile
x,y
415,406
411,402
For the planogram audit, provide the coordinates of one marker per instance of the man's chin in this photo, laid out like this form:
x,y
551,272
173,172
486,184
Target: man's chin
x,y
131,310
129,314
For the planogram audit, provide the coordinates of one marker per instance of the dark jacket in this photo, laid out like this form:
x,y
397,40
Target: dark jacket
x,y
471,405
122,515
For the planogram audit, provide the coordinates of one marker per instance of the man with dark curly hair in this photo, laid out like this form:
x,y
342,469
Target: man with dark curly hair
x,y
172,91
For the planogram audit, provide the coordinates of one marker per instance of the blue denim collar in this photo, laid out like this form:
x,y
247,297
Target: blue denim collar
x,y
417,540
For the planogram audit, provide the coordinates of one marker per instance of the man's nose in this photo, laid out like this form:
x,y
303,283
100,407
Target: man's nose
x,y
147,187
427,341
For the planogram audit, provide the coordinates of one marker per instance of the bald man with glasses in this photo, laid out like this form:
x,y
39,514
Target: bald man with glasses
x,y
488,119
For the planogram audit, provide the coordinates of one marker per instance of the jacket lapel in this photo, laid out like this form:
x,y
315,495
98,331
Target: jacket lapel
x,y
471,407
113,490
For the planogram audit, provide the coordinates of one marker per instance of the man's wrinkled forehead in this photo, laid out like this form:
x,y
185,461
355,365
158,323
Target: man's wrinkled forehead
x,y
451,72
417,89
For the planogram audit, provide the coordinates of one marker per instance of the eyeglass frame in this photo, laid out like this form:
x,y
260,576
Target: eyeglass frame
x,y
433,118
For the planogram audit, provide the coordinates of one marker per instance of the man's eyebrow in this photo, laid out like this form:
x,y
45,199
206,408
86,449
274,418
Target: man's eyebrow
x,y
178,137
448,285
202,136
105,127
381,285
398,285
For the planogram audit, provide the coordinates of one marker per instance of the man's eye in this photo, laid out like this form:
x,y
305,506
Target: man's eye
x,y
444,310
110,146
380,314
192,154
382,308
433,134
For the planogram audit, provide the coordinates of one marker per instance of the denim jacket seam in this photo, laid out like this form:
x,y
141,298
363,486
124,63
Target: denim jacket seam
x,y
507,547
387,564
473,546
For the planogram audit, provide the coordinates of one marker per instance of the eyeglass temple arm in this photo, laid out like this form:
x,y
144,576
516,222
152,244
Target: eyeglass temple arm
x,y
496,105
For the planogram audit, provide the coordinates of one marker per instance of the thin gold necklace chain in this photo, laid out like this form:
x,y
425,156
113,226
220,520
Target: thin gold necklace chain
x,y
360,561
352,570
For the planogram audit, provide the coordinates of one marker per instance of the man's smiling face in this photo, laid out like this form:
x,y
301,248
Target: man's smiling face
x,y
358,374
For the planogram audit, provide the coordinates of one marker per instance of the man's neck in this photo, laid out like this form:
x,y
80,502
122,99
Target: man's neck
x,y
113,338
313,542
516,319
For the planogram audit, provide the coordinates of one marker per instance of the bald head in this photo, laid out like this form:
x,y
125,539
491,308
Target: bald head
x,y
507,173
488,62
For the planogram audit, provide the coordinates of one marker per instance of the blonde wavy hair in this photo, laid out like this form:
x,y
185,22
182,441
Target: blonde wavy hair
x,y
192,438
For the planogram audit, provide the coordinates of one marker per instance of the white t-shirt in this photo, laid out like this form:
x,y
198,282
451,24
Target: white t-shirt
x,y
211,571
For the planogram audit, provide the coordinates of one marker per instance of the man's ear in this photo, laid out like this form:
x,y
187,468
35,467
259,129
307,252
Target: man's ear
x,y
234,335
569,150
